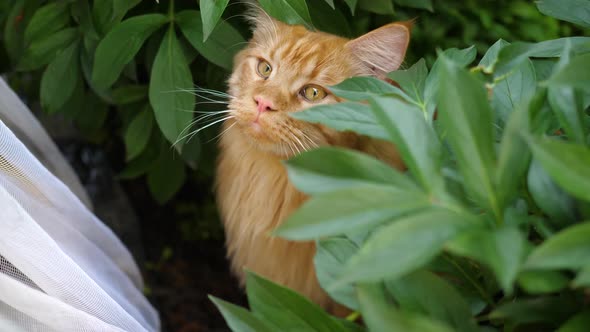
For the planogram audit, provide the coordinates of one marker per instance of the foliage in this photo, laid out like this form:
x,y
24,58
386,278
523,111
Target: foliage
x,y
485,230
124,71
488,227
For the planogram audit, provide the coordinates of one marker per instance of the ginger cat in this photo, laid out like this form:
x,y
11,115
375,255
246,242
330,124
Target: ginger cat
x,y
286,69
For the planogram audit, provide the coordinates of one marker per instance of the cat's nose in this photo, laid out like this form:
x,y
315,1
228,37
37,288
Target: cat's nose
x,y
263,104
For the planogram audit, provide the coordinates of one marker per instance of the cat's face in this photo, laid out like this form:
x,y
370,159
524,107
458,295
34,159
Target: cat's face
x,y
286,69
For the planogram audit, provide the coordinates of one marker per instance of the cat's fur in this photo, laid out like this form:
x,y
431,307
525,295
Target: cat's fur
x,y
253,191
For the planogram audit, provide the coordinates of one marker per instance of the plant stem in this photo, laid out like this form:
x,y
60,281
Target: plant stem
x,y
171,10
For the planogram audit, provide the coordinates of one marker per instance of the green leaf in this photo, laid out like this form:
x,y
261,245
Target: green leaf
x,y
170,80
329,260
331,3
552,310
420,4
571,75
221,46
567,106
426,293
138,133
514,54
46,21
107,14
120,45
238,318
352,5
567,163
502,249
166,176
568,249
344,116
286,309
43,51
513,154
414,138
582,278
578,323
513,91
461,57
466,115
211,11
575,11
405,245
289,11
362,88
542,281
346,210
491,57
377,6
59,79
128,94
381,315
550,198
330,20
329,169
412,80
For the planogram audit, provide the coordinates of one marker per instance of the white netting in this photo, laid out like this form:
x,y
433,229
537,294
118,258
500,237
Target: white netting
x,y
61,269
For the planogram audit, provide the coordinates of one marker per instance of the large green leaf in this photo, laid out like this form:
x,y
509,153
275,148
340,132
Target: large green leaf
x,y
412,80
211,11
578,323
467,117
120,45
426,293
381,315
567,163
405,245
46,21
349,209
166,176
238,318
60,78
550,198
329,260
513,154
575,11
414,138
502,249
285,309
288,11
220,47
362,88
329,168
489,59
138,133
569,249
551,310
513,55
582,278
513,91
344,116
421,4
566,103
43,51
571,75
542,281
169,85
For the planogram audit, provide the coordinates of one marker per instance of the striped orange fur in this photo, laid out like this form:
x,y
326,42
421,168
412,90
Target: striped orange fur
x,y
254,194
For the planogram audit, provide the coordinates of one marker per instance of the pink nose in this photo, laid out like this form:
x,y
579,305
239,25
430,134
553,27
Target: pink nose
x,y
263,104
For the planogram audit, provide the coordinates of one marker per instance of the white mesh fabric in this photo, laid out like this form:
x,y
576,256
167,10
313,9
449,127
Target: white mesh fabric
x,y
61,269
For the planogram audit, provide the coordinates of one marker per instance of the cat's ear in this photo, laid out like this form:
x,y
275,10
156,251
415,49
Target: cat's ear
x,y
382,50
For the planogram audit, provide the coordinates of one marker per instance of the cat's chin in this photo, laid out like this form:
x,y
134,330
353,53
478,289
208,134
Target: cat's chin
x,y
257,136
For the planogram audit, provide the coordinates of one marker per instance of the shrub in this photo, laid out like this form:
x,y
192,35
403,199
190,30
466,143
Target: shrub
x,y
487,228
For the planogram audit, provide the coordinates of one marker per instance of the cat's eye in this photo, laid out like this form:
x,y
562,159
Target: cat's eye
x,y
313,93
264,69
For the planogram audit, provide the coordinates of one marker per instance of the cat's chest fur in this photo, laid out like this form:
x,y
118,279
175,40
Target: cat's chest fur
x,y
254,196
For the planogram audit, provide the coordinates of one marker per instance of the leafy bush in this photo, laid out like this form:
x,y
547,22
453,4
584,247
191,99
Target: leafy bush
x,y
103,63
487,229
